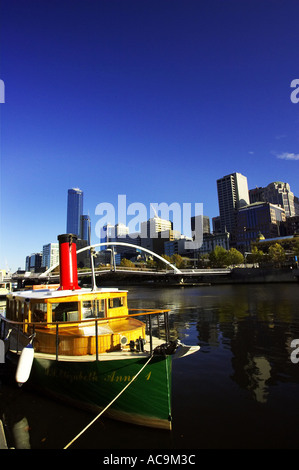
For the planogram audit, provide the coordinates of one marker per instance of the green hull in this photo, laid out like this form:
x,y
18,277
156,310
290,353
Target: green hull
x,y
94,384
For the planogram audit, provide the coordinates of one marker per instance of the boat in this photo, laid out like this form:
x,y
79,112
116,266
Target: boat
x,y
87,347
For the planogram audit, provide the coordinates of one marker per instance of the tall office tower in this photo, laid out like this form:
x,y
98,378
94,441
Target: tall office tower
x,y
276,193
203,222
232,195
74,211
50,255
154,232
153,226
85,228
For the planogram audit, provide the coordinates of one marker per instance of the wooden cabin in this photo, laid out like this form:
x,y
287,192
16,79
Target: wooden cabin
x,y
79,315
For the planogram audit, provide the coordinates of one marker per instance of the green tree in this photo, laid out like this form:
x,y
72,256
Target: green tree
x,y
127,263
218,257
150,263
256,255
276,254
234,257
178,261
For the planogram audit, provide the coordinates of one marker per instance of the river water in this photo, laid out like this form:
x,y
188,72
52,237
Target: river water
x,y
241,390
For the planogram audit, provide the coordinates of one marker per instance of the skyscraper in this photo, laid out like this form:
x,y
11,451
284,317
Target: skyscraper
x,y
74,211
278,193
50,255
85,228
232,195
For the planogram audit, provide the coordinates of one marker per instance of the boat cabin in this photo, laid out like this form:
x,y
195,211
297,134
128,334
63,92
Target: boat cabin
x,y
49,305
83,320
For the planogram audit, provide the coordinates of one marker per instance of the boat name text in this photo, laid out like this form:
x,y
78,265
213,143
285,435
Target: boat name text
x,y
122,378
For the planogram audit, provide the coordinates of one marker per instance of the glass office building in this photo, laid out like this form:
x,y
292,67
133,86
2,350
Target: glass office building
x,y
74,211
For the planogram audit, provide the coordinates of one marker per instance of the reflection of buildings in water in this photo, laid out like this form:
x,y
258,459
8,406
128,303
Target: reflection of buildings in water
x,y
258,371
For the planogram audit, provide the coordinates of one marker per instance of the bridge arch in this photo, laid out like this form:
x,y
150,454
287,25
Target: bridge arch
x,y
130,245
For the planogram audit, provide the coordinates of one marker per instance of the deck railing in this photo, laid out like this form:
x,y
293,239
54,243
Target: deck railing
x,y
156,323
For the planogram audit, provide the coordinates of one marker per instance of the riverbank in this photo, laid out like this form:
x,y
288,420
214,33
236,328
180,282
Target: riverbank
x,y
235,276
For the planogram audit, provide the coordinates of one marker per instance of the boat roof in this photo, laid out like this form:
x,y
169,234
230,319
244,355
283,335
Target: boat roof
x,y
54,293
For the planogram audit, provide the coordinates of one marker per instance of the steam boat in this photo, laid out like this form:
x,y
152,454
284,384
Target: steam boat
x,y
86,347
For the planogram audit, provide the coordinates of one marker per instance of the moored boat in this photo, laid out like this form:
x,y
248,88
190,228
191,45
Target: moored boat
x,y
87,347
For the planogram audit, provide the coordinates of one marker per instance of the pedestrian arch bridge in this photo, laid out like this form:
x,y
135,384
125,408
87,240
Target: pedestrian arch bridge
x,y
129,245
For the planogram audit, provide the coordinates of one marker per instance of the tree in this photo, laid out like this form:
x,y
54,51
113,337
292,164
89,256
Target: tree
x,y
178,261
255,256
218,257
276,253
151,264
158,263
235,257
127,263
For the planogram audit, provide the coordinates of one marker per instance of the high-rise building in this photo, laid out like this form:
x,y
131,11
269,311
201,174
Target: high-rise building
x,y
154,232
50,255
74,211
276,193
33,262
153,226
259,218
232,195
85,228
201,222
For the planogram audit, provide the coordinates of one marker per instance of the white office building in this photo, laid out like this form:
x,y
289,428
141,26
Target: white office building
x,y
232,195
50,255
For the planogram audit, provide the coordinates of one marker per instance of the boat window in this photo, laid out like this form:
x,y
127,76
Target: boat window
x,y
65,311
19,313
10,309
116,302
93,308
39,312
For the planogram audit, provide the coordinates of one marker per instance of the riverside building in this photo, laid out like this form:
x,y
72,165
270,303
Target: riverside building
x,y
232,195
258,218
278,193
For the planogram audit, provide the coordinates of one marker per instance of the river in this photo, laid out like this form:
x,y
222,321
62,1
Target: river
x,y
240,390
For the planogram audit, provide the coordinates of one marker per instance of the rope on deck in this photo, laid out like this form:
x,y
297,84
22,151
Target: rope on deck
x,y
114,399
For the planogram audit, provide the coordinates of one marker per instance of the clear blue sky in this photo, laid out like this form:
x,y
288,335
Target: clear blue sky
x,y
152,99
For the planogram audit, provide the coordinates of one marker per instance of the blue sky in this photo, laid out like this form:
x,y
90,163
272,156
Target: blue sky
x,y
151,99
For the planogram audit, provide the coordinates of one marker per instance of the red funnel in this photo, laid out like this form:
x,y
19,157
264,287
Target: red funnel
x,y
68,262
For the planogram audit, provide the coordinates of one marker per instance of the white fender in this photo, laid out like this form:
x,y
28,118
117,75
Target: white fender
x,y
25,364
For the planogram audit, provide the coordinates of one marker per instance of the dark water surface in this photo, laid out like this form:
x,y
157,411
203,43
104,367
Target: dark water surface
x,y
241,390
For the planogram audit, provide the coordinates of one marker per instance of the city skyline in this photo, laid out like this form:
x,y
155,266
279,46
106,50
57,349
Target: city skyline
x,y
147,230
155,100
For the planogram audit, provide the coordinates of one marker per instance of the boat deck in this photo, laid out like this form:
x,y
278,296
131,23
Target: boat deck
x,y
108,356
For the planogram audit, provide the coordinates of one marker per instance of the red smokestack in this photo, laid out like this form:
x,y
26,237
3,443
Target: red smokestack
x,y
68,262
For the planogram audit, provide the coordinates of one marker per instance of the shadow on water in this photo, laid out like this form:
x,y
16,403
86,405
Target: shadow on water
x,y
241,390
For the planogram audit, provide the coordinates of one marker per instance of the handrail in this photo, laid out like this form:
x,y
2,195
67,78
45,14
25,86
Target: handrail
x,y
34,325
88,320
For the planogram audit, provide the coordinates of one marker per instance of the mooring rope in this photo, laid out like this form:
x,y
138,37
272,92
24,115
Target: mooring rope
x,y
114,399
